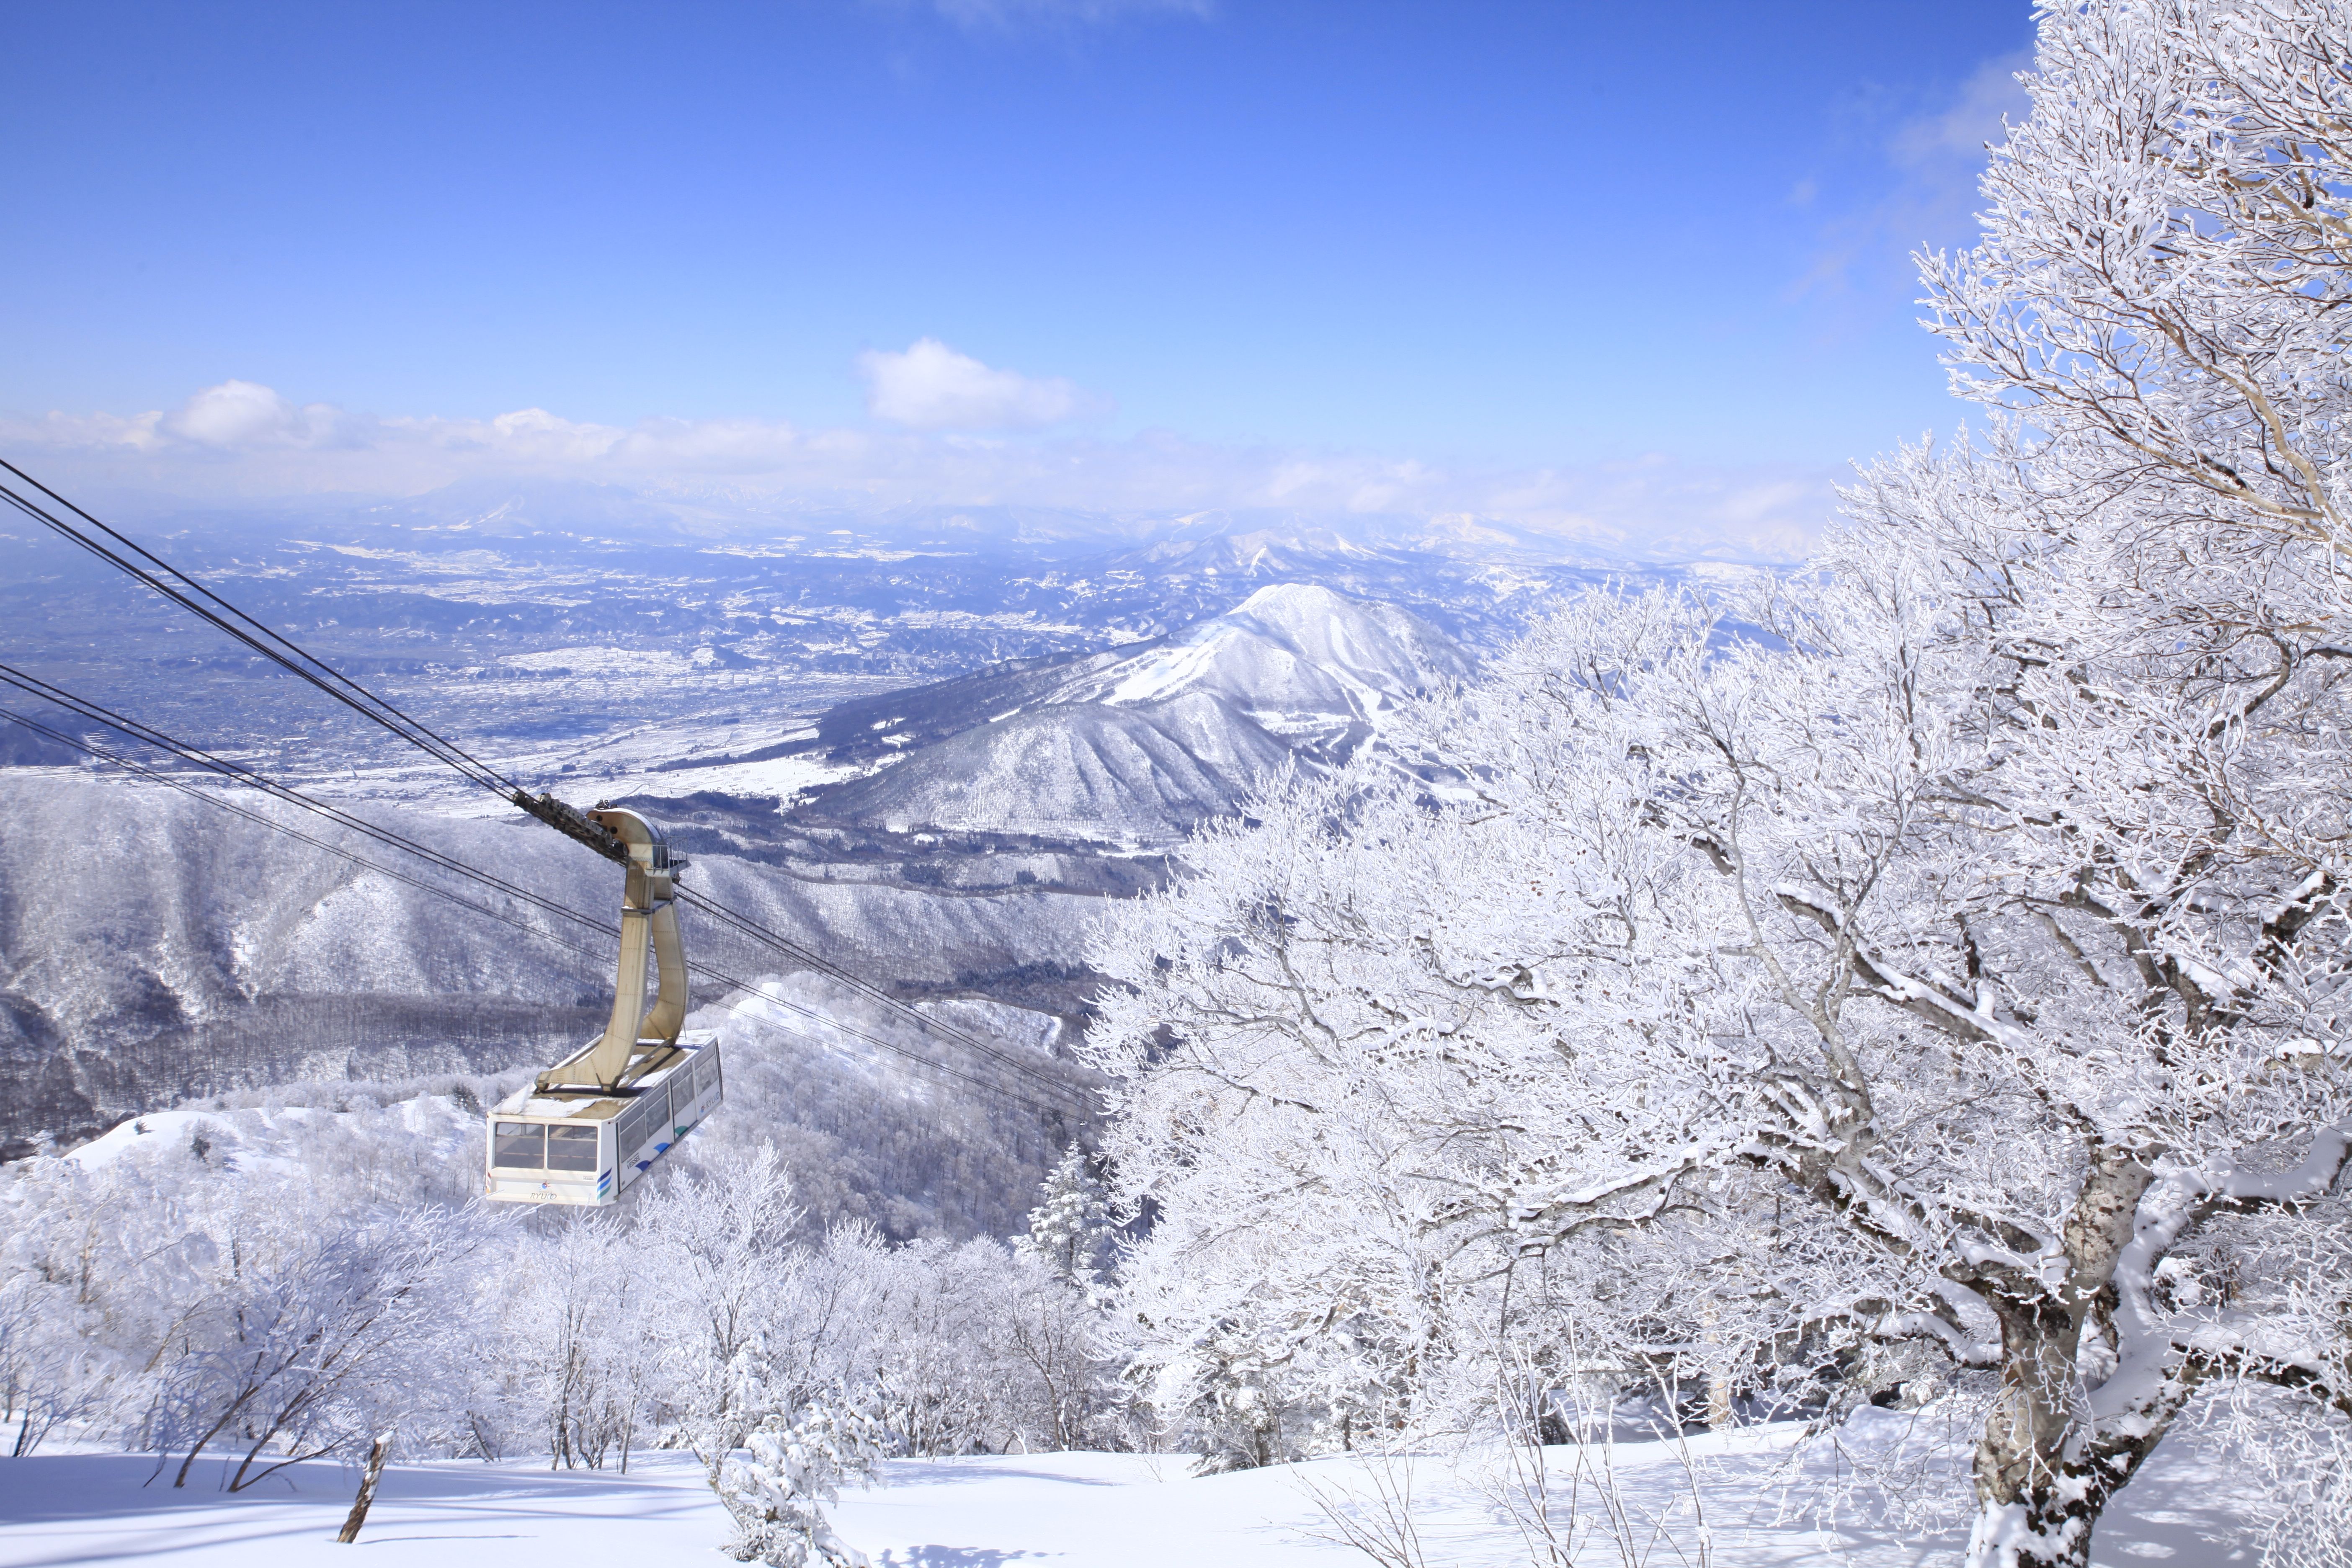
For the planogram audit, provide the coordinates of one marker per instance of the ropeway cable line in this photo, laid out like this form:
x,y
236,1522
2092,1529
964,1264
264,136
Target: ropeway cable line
x,y
281,650
461,868
202,602
239,774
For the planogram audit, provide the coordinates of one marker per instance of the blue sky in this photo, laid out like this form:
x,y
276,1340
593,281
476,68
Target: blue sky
x,y
1506,239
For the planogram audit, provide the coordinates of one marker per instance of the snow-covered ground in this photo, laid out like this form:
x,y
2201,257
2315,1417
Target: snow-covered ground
x,y
1069,1510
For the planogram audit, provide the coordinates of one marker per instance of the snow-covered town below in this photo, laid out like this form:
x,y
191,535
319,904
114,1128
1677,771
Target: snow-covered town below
x,y
1238,1035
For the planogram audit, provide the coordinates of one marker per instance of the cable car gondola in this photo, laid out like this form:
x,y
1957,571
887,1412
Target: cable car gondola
x,y
595,1121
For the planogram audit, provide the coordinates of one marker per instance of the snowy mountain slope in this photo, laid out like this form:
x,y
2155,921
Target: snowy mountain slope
x,y
1292,655
1085,770
255,1138
424,1147
865,730
864,1134
1134,744
170,950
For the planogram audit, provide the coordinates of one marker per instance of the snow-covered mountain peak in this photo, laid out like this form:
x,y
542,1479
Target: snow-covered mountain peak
x,y
1135,745
1290,649
1392,649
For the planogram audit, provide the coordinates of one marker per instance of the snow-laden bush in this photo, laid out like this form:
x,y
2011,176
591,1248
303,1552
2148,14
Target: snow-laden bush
x,y
789,1468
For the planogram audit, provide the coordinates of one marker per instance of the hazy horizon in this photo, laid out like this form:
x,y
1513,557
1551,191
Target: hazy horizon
x,y
1584,269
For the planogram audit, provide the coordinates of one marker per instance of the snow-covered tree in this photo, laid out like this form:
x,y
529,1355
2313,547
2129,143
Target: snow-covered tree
x,y
576,1339
929,1308
1943,949
311,1331
790,1467
1071,1230
2151,557
99,1273
1058,1364
723,1243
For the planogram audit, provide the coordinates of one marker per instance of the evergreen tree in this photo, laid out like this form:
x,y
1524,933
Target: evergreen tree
x,y
1071,1230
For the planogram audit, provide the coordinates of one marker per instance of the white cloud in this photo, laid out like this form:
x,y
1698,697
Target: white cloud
x,y
932,387
1973,120
1938,157
236,414
241,440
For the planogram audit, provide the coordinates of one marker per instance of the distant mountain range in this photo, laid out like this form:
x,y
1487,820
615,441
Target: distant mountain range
x,y
1131,746
580,633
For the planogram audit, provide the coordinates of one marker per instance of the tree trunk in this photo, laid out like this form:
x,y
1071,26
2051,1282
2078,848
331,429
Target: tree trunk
x,y
2043,1530
210,1432
2042,1478
359,1504
2030,1513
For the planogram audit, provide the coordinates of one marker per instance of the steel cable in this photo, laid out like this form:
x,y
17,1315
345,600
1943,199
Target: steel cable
x,y
294,797
284,653
317,672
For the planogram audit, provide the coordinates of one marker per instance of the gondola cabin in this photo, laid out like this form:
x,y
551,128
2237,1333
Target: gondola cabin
x,y
585,1146
598,1120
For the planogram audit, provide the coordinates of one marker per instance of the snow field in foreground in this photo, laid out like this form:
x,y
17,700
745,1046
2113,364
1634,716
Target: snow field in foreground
x,y
1071,1510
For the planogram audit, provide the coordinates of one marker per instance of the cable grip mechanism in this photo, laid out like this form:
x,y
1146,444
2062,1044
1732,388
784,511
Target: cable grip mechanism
x,y
573,823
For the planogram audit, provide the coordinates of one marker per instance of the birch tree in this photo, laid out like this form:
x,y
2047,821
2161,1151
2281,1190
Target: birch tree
x,y
1942,952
